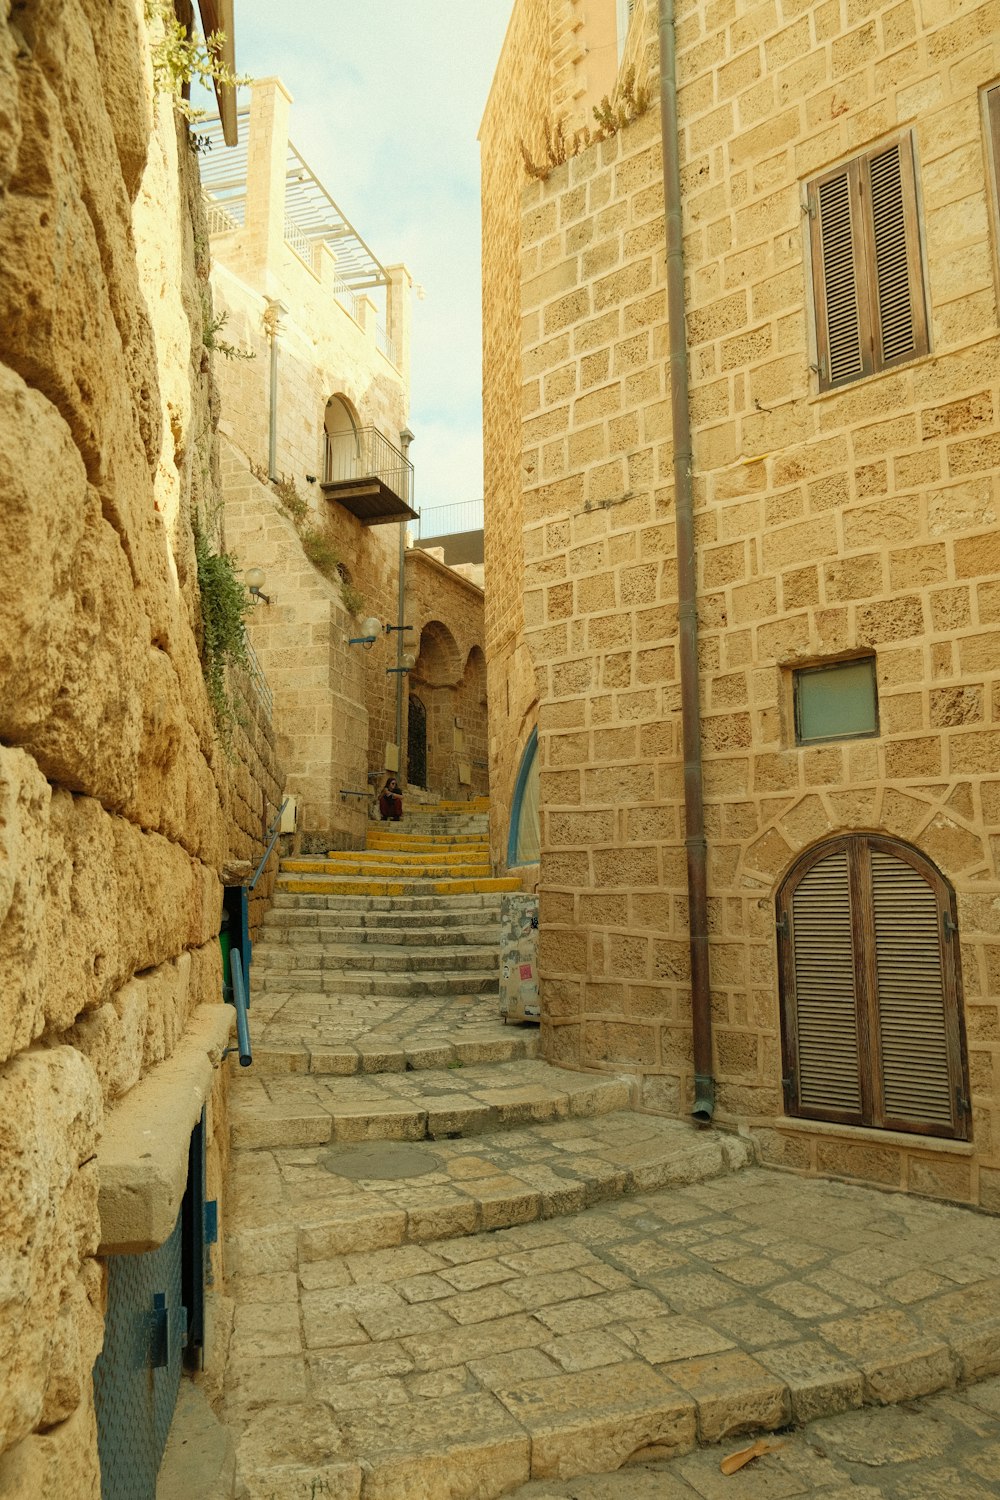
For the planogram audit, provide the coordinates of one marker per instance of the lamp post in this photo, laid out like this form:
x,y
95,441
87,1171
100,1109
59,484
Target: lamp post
x,y
405,438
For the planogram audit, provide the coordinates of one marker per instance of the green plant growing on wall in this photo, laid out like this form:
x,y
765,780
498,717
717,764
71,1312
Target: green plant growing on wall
x,y
354,601
211,328
321,552
291,501
224,602
180,59
613,113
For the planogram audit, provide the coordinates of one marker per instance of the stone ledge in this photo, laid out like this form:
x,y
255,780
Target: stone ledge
x,y
863,1135
142,1158
200,1456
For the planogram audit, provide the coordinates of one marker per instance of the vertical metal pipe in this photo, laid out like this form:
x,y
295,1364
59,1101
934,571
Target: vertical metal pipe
x,y
687,585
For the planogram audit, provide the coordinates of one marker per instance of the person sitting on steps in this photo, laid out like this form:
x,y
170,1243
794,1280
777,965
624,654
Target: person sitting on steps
x,y
390,802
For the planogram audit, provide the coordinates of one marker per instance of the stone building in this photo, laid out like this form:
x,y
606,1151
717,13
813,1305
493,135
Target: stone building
x,y
838,190
322,410
119,806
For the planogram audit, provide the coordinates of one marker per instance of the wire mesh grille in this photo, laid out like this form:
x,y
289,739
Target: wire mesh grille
x,y
135,1402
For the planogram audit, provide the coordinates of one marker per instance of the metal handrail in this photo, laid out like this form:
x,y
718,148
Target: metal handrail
x,y
272,836
346,791
242,1019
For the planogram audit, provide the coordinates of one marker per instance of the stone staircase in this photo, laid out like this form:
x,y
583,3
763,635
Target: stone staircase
x,y
391,1129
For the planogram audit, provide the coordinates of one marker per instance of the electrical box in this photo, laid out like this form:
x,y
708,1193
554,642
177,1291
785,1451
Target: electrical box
x,y
391,757
519,957
289,816
464,773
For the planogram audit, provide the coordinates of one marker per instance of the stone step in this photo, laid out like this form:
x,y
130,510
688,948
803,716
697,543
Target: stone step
x,y
347,958
416,1106
377,868
386,839
454,905
347,885
409,986
305,934
738,1302
395,1051
348,1198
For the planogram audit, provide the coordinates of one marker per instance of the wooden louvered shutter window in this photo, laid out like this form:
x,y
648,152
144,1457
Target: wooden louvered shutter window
x,y
871,1023
867,273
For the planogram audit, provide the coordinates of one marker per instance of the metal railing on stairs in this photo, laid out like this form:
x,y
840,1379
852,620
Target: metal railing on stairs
x,y
242,1005
272,837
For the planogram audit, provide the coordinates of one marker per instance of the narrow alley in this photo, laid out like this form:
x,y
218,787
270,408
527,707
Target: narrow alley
x,y
458,1269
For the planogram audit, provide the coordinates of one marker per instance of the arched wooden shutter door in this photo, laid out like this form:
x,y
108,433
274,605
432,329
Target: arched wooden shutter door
x,y
869,968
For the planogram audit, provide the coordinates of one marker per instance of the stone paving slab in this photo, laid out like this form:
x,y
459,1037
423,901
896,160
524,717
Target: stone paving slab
x,y
416,1105
935,1448
462,1367
350,1032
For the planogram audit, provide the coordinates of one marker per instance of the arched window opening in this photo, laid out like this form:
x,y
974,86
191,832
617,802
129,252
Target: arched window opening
x,y
524,842
871,989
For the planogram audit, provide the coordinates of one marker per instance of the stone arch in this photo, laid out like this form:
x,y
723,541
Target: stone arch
x,y
439,662
437,679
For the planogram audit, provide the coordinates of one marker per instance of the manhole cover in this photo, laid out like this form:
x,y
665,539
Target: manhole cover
x,y
381,1159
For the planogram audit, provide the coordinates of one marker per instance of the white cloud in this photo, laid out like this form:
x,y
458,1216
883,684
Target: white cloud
x,y
388,99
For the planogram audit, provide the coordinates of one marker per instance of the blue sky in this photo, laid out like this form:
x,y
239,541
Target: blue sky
x,y
388,98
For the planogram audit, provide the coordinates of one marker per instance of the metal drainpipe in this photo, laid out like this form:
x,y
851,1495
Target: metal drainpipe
x,y
694,809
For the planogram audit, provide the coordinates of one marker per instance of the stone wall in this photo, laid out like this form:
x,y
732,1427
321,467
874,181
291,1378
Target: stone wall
x,y
118,808
446,613
863,518
318,680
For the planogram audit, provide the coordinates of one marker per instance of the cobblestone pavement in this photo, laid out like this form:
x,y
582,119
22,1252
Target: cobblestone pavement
x,y
465,1367
939,1448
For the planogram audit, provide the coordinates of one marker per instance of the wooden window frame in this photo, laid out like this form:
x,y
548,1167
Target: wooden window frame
x,y
873,1113
857,173
990,98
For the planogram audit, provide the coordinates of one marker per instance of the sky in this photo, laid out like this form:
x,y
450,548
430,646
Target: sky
x,y
388,96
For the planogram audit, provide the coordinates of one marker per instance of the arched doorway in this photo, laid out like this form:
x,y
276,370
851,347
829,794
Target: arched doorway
x,y
340,441
416,748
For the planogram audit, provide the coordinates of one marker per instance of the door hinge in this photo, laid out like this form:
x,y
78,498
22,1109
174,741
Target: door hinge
x,y
781,925
950,925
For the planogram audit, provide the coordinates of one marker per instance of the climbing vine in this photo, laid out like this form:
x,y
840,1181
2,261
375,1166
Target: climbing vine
x,y
180,59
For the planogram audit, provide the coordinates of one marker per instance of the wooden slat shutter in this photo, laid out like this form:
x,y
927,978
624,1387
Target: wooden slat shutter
x,y
898,321
838,253
866,265
871,1019
827,1061
912,1000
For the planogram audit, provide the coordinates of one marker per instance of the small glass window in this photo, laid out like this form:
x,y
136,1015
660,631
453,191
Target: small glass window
x,y
837,702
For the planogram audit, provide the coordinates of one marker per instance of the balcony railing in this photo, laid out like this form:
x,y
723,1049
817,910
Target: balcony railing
x,y
368,476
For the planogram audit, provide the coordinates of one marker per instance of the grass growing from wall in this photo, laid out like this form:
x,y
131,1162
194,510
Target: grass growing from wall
x,y
224,602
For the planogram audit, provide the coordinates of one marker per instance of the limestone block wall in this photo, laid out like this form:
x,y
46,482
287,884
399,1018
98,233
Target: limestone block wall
x,y
446,612
559,59
118,808
317,679
859,519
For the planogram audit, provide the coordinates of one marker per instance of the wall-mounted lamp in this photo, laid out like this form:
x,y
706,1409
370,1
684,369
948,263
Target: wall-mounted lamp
x,y
406,664
390,628
255,583
370,629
